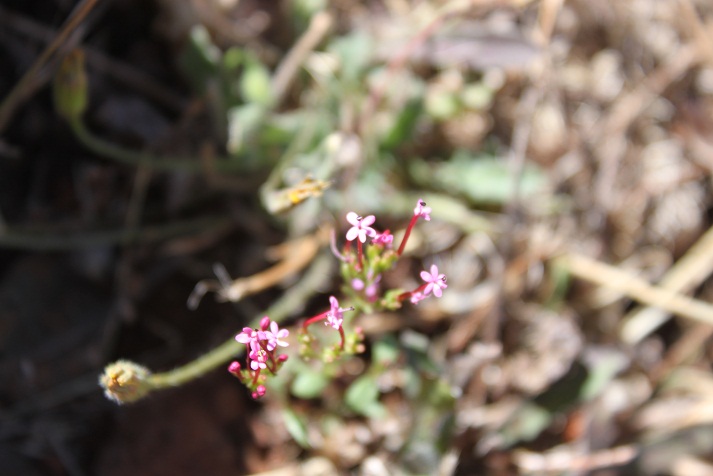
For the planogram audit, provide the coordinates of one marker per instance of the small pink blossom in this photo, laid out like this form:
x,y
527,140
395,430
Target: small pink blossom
x,y
248,336
335,315
385,238
436,282
360,227
257,356
422,210
275,335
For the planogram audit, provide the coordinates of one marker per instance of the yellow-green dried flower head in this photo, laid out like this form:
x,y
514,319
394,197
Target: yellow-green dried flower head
x,y
125,381
71,86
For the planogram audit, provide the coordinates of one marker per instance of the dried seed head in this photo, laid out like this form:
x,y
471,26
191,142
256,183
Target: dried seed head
x,y
125,381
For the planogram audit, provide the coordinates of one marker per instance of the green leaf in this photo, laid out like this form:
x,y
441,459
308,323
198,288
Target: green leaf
x,y
477,96
355,52
385,351
362,397
404,126
309,384
243,123
233,58
442,105
255,84
525,424
485,178
296,427
200,58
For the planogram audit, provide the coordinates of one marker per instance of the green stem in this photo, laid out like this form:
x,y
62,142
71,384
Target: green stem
x,y
55,239
216,357
134,158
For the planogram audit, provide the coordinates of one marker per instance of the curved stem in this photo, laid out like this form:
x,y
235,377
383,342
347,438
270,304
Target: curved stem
x,y
198,367
312,320
135,158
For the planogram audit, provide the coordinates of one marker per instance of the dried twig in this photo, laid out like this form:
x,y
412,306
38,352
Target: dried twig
x,y
295,256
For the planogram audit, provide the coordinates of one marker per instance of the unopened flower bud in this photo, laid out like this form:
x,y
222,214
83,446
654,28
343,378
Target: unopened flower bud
x,y
234,368
259,392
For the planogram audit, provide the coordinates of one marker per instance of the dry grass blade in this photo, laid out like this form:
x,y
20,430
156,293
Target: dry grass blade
x,y
605,275
288,68
687,273
563,462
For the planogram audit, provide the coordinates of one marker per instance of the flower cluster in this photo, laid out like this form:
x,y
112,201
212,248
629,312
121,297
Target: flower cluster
x,y
262,355
362,271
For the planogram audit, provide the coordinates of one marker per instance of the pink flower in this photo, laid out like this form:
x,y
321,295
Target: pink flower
x,y
335,315
422,210
436,282
275,335
360,227
385,238
248,336
257,356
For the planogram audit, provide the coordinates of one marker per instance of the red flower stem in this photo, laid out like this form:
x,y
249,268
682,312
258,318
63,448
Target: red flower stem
x,y
272,368
414,218
359,255
341,333
314,319
408,294
257,374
